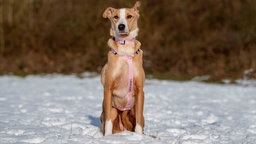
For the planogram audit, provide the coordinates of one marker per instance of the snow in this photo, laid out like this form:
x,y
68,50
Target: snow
x,y
65,109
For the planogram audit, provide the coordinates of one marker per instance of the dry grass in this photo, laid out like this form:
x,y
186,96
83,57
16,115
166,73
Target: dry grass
x,y
181,39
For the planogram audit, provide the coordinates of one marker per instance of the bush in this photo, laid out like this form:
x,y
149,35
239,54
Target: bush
x,y
181,39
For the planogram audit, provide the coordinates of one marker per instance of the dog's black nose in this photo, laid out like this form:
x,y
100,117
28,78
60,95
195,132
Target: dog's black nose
x,y
121,27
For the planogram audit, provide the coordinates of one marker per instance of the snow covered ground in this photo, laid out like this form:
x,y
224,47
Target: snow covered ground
x,y
56,109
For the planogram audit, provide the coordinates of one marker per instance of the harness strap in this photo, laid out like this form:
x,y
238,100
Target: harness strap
x,y
128,96
115,52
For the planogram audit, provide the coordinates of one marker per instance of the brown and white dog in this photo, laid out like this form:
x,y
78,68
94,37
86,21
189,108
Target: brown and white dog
x,y
123,75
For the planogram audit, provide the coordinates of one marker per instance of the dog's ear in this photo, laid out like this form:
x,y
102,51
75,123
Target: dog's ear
x,y
108,12
137,5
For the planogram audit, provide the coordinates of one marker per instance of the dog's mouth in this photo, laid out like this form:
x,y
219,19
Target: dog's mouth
x,y
123,34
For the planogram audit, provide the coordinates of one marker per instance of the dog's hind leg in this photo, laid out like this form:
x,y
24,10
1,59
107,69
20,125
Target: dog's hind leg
x,y
126,122
118,125
115,120
128,119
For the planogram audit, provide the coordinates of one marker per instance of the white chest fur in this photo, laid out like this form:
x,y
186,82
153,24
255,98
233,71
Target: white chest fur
x,y
127,49
121,76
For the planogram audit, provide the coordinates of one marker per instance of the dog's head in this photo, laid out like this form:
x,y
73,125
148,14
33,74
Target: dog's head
x,y
123,21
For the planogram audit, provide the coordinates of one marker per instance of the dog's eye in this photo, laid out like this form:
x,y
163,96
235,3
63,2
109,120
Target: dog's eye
x,y
116,17
129,16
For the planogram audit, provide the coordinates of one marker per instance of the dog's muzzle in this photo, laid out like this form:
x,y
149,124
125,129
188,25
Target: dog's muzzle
x,y
121,27
122,30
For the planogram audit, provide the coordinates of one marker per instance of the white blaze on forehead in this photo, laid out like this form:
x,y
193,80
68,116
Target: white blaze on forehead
x,y
122,13
122,19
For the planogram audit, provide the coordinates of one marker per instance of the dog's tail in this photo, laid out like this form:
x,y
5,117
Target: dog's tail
x,y
128,120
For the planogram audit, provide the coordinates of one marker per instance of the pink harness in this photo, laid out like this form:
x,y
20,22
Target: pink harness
x,y
129,94
130,86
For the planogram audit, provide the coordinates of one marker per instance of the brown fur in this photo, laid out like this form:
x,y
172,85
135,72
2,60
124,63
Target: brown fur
x,y
114,77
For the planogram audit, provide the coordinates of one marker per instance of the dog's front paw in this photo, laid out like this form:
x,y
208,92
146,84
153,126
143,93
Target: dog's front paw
x,y
108,127
138,129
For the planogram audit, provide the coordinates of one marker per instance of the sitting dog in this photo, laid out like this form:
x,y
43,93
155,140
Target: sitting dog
x,y
123,75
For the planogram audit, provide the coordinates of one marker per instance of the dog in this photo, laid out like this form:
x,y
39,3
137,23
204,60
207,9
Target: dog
x,y
123,75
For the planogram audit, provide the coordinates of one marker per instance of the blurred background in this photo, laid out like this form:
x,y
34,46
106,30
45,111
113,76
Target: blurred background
x,y
181,39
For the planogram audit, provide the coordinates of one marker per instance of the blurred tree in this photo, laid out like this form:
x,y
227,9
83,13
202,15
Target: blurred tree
x,y
1,27
180,39
10,4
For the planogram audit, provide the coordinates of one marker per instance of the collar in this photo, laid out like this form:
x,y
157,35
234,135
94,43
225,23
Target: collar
x,y
123,55
123,42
